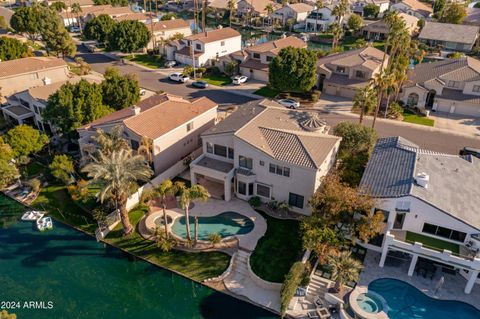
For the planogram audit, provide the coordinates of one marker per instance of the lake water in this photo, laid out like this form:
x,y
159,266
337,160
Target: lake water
x,y
85,279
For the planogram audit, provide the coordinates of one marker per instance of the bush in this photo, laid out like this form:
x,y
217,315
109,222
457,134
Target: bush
x,y
35,184
254,201
292,280
394,110
315,96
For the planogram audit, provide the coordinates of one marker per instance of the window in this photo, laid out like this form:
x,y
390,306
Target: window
x,y
340,69
189,126
245,162
263,191
242,188
134,144
444,232
360,74
476,88
454,84
36,109
222,43
269,58
256,56
220,150
198,46
295,200
230,153
262,163
250,189
24,103
209,148
279,170
286,171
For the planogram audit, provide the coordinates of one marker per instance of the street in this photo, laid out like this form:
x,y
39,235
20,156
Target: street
x,y
425,137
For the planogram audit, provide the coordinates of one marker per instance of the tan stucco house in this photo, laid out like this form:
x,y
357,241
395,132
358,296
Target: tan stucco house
x,y
164,30
454,37
413,8
378,30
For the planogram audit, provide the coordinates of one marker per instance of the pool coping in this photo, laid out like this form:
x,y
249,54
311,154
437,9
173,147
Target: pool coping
x,y
352,302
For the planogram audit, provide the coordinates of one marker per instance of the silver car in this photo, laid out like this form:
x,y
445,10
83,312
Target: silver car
x,y
290,103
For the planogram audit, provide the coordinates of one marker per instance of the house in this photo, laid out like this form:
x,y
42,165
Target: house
x,y
342,74
265,150
455,37
164,30
253,61
220,5
171,124
207,47
378,30
88,13
451,86
6,14
473,16
383,5
431,206
296,12
254,8
146,18
320,20
413,8
68,3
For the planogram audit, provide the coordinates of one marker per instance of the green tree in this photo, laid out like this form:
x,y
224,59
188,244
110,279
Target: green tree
x,y
11,49
438,7
27,20
74,105
166,189
344,268
76,10
214,238
421,23
356,138
8,170
293,70
231,6
118,173
54,35
289,287
337,31
114,3
128,36
187,195
25,140
371,10
110,141
58,6
3,23
62,168
319,238
82,66
119,91
454,13
99,28
355,22
169,16
364,101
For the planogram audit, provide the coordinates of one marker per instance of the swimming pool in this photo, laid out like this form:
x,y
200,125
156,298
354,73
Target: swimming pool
x,y
407,302
225,224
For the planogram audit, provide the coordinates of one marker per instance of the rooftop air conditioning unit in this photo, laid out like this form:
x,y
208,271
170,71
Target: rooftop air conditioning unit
x,y
47,81
422,180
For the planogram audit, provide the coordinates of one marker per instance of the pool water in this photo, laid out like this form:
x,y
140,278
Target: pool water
x,y
369,303
86,279
225,224
407,302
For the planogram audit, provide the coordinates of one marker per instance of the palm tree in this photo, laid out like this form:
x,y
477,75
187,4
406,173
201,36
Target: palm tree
x,y
108,142
337,32
344,269
231,9
318,4
145,149
381,82
365,100
165,189
187,195
340,10
76,10
118,173
269,8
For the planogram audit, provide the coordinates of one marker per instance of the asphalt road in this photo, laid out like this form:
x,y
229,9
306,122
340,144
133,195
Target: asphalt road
x,y
426,137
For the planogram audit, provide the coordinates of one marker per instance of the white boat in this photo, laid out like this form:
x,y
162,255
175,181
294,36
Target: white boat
x,y
32,215
44,223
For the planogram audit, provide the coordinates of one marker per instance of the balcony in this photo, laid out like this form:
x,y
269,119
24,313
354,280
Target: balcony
x,y
427,241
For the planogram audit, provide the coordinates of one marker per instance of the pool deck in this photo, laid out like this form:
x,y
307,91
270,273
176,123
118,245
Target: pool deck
x,y
452,289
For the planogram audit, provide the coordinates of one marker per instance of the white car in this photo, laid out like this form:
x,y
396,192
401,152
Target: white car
x,y
239,79
75,29
178,77
170,64
290,103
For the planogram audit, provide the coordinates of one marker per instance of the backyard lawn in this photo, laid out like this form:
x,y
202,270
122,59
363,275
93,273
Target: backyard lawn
x,y
277,250
215,79
431,242
412,117
266,92
198,266
150,61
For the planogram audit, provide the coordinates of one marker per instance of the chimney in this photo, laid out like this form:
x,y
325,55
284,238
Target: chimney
x,y
47,81
135,110
422,180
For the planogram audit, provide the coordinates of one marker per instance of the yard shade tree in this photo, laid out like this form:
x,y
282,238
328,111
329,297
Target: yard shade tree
x,y
54,35
119,91
454,13
25,140
187,195
355,22
99,28
128,36
58,6
293,70
438,7
344,269
356,138
371,10
11,49
364,101
118,173
27,20
62,168
8,170
319,238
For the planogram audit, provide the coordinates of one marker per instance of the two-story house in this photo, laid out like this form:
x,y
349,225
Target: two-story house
x,y
342,74
255,8
165,30
206,47
296,12
171,124
383,6
319,20
447,36
265,150
413,8
378,30
451,86
431,205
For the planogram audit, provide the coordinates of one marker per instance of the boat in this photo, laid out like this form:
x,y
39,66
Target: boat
x,y
44,223
32,215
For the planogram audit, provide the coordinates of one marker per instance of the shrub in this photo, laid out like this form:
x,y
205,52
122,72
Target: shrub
x,y
79,191
254,201
315,96
394,110
214,238
292,280
35,184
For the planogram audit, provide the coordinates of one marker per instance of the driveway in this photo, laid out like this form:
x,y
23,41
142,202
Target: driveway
x,y
457,123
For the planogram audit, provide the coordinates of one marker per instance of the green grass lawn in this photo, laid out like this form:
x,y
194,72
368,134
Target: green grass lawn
x,y
267,92
412,117
150,61
198,266
277,250
218,80
431,242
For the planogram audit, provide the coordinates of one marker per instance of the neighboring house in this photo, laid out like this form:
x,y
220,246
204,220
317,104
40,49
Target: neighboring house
x,y
378,30
7,14
220,5
254,8
89,13
431,206
68,3
473,16
413,8
451,85
342,74
455,37
164,30
171,124
383,5
207,47
320,20
297,12
146,18
253,61
265,150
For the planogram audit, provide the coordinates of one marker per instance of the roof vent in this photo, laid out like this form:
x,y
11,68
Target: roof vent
x,y
135,110
47,81
422,180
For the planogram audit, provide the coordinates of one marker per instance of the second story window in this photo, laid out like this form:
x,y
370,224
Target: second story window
x,y
245,162
198,47
269,58
256,56
220,150
189,126
340,69
230,153
279,170
454,84
476,88
360,74
209,148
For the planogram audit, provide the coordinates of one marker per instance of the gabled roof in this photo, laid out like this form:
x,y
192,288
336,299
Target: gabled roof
x,y
42,93
300,7
458,33
138,16
275,46
214,35
368,57
418,6
169,25
30,64
260,5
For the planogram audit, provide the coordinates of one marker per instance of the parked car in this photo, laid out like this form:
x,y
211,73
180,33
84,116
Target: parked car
x,y
90,46
290,103
239,79
470,151
200,84
74,29
143,92
178,77
170,64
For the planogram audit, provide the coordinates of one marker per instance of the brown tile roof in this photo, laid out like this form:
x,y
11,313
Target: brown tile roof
x,y
473,16
139,16
301,7
417,5
260,5
449,32
106,9
30,64
214,35
43,92
169,25
82,3
254,64
369,57
276,45
187,52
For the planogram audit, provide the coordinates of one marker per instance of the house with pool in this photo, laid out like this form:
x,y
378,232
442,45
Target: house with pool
x,y
431,204
263,149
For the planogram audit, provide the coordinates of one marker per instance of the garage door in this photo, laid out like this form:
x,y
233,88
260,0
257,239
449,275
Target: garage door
x,y
330,89
347,92
460,109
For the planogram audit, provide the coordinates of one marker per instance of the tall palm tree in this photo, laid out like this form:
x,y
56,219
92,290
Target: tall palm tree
x,y
164,190
365,100
318,5
145,149
108,142
118,173
344,269
382,81
231,9
76,10
187,195
269,8
337,31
